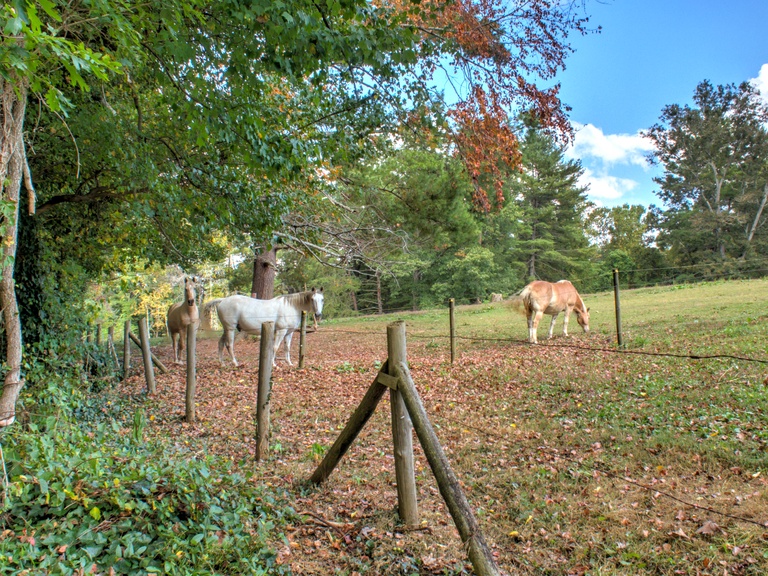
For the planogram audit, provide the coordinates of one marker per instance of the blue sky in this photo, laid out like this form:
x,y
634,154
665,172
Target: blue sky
x,y
651,53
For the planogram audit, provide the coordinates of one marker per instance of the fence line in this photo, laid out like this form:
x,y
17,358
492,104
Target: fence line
x,y
522,342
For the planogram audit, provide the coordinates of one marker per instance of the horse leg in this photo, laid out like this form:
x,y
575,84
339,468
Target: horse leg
x,y
182,335
279,336
173,347
529,317
552,325
535,326
227,341
287,340
565,321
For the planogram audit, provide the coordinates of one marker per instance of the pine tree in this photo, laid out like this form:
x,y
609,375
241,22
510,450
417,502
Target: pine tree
x,y
551,203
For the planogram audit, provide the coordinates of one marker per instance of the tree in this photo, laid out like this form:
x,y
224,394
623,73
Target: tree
x,y
178,119
714,155
550,235
624,236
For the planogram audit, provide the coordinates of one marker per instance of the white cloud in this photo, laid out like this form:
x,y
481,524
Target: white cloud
x,y
590,143
761,82
605,187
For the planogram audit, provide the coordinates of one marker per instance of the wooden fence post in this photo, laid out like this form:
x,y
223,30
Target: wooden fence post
x,y
452,307
147,354
617,304
302,338
356,423
126,348
458,506
155,360
266,352
191,371
402,431
98,335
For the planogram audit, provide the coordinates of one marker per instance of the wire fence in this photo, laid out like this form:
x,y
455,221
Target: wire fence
x,y
596,467
602,349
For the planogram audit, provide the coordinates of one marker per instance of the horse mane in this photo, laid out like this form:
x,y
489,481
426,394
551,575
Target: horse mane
x,y
298,298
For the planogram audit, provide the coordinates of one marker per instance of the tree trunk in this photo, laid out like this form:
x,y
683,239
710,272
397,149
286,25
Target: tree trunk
x,y
758,215
12,165
379,303
532,267
264,271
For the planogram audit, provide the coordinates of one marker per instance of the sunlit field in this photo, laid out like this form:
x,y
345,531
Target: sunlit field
x,y
576,457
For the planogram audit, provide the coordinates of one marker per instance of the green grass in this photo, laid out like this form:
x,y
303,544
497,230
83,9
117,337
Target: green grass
x,y
571,450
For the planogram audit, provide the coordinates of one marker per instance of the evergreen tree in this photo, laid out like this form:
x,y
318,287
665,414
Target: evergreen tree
x,y
550,238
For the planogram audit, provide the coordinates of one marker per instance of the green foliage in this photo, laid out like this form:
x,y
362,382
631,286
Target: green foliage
x,y
85,491
715,160
549,233
468,277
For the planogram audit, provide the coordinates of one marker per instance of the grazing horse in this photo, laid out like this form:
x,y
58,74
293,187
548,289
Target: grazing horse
x,y
541,298
180,316
246,314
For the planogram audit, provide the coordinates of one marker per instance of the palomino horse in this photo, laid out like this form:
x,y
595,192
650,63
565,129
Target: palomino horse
x,y
180,316
246,314
541,298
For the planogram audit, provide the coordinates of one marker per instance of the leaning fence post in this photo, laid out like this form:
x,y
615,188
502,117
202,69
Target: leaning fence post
x,y
356,422
155,360
266,352
617,304
149,370
451,304
191,371
302,338
126,348
402,431
450,488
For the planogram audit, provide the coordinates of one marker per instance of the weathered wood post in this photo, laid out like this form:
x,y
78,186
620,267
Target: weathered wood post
x,y
402,431
266,352
452,307
302,338
98,335
191,372
458,506
155,360
126,348
617,304
356,423
149,371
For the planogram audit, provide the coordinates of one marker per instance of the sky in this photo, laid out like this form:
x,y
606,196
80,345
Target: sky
x,y
651,53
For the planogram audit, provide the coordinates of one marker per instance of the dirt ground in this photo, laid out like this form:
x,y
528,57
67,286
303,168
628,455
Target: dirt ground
x,y
351,524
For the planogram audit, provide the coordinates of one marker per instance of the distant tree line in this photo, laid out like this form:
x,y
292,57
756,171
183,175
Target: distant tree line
x,y
711,223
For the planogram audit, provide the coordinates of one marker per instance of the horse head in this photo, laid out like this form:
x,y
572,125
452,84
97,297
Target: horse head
x,y
582,317
189,290
317,303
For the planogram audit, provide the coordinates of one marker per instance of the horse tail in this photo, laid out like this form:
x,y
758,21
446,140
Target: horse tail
x,y
207,313
517,302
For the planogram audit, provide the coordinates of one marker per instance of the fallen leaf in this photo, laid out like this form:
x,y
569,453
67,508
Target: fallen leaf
x,y
708,528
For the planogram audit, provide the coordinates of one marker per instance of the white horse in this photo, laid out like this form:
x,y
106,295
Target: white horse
x,y
245,314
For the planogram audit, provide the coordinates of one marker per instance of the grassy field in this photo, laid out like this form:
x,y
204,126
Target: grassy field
x,y
577,459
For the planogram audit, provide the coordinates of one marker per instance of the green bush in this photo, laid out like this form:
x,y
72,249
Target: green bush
x,y
86,491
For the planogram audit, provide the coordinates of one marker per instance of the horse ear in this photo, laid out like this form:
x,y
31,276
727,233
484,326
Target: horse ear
x,y
321,288
313,289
